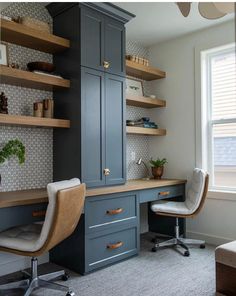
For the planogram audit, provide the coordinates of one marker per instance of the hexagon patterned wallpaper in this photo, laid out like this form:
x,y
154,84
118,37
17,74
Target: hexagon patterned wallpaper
x,y
37,170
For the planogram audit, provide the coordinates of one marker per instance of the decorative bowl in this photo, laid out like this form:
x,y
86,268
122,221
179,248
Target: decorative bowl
x,y
41,66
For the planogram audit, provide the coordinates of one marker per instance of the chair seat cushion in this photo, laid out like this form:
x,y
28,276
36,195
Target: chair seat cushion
x,y
171,207
21,238
226,254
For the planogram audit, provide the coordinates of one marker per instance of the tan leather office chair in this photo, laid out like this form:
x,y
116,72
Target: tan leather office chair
x,y
193,204
66,201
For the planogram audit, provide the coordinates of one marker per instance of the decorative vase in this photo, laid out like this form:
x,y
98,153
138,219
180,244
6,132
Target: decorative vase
x,y
157,172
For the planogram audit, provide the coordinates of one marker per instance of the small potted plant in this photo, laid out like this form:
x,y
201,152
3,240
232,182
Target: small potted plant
x,y
158,167
12,148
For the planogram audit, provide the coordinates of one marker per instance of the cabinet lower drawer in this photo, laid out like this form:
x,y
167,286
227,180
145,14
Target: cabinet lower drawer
x,y
112,247
161,193
104,211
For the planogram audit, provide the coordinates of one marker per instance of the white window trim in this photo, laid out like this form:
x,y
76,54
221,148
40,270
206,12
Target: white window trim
x,y
201,129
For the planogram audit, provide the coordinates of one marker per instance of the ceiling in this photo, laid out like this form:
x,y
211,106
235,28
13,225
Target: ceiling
x,y
160,21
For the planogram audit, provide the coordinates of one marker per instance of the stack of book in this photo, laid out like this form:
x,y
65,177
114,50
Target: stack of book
x,y
141,123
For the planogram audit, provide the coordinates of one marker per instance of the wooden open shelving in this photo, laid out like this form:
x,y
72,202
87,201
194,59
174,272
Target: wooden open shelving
x,y
31,80
143,72
144,102
6,119
23,35
145,131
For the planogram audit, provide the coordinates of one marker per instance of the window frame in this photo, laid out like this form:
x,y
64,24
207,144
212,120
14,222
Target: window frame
x,y
203,120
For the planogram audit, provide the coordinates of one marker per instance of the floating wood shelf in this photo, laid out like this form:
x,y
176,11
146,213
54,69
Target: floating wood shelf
x,y
144,102
7,119
31,80
25,36
143,72
145,131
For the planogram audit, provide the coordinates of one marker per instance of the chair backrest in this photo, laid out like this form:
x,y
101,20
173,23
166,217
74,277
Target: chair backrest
x,y
197,191
66,202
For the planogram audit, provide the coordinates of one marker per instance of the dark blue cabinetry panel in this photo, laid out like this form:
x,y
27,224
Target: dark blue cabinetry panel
x,y
115,129
20,215
110,210
115,46
92,39
110,247
92,127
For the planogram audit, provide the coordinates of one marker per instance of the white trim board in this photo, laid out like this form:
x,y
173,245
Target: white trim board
x,y
208,238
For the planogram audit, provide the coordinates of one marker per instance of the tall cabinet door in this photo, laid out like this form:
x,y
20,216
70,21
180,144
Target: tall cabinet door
x,y
92,127
92,39
115,46
115,129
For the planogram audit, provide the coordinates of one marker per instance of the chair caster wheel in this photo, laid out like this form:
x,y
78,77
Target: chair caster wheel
x,y
65,277
202,246
186,253
70,293
154,249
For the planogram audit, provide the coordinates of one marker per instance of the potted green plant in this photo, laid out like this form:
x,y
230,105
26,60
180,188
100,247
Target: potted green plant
x,y
158,167
10,149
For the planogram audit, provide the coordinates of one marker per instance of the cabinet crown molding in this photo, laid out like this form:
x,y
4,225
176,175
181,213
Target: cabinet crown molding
x,y
109,9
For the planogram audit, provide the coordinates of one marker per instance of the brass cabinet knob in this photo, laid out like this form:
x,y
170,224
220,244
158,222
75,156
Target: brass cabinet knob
x,y
106,172
106,65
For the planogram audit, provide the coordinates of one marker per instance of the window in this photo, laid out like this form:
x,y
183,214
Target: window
x,y
219,116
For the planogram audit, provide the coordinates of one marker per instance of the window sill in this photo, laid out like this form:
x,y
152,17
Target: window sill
x,y
222,195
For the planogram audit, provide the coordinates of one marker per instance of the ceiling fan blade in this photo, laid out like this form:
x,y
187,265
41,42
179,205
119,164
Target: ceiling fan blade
x,y
225,7
184,7
209,11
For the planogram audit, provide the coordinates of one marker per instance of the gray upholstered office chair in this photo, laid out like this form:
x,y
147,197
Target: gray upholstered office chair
x,y
66,201
190,207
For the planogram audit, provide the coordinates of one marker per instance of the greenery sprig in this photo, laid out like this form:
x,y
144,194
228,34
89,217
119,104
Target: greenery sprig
x,y
13,148
158,162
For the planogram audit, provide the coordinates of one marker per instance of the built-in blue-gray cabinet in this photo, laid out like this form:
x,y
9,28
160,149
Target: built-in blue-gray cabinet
x,y
102,128
93,149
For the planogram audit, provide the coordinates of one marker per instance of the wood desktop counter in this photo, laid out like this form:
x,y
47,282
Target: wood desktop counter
x,y
110,224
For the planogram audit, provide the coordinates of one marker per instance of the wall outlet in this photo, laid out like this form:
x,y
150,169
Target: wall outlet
x,y
133,156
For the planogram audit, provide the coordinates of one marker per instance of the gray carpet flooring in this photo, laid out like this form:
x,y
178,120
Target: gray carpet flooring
x,y
164,273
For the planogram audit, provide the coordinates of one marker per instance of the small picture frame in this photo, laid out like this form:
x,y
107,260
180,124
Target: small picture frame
x,y
134,87
3,54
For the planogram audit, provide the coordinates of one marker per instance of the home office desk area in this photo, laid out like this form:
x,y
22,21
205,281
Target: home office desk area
x,y
109,225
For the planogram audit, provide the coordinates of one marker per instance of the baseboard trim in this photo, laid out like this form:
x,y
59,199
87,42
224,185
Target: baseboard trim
x,y
210,239
18,263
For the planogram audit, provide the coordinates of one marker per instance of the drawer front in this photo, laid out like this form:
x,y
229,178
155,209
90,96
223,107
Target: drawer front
x,y
110,248
106,211
161,193
20,215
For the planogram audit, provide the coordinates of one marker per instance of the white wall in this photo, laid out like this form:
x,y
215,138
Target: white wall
x,y
217,222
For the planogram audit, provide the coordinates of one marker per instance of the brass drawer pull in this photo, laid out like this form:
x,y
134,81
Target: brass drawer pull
x,y
106,64
163,193
106,172
115,212
38,213
115,246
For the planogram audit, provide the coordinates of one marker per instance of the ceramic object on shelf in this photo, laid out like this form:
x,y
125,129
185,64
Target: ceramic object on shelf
x,y
38,109
48,108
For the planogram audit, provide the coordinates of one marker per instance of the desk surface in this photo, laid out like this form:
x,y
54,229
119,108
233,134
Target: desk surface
x,y
35,196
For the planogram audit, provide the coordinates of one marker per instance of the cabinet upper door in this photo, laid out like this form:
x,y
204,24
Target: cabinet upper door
x,y
92,127
92,39
115,129
114,46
